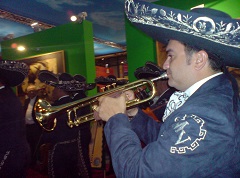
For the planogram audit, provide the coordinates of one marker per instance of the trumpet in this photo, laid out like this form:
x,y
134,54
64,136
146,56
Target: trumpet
x,y
46,115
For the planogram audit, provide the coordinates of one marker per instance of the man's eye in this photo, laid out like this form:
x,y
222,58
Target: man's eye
x,y
169,56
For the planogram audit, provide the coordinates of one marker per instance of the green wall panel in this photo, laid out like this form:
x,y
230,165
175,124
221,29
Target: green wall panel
x,y
140,48
76,40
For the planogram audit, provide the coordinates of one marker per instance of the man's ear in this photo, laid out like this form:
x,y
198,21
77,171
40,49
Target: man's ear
x,y
201,59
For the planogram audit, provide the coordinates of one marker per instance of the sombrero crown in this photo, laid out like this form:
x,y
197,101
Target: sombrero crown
x,y
202,28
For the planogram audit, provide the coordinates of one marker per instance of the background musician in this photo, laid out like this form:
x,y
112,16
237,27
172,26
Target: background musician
x,y
84,128
157,107
67,156
33,129
14,149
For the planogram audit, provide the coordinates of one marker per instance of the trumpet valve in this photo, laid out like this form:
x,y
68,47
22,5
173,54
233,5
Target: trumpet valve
x,y
70,123
102,89
114,85
94,107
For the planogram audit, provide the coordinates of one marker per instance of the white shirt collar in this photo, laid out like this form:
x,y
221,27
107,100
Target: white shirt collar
x,y
34,98
195,86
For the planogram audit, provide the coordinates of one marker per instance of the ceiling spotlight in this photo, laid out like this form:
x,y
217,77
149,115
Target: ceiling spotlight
x,y
73,18
37,27
79,18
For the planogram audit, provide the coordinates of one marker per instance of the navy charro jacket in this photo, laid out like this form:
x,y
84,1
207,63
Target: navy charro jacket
x,y
199,139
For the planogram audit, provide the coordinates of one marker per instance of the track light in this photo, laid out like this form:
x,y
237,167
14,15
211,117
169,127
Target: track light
x,y
37,27
79,18
8,37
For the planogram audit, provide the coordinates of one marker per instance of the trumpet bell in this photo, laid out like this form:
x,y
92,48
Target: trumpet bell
x,y
44,115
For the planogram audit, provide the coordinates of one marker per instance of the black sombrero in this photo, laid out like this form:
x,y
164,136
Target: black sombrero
x,y
111,79
47,76
150,70
200,28
82,81
13,72
63,81
106,80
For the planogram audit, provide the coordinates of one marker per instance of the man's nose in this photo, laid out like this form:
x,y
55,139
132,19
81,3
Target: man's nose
x,y
166,65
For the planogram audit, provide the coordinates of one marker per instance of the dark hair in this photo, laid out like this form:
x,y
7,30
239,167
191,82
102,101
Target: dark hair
x,y
215,61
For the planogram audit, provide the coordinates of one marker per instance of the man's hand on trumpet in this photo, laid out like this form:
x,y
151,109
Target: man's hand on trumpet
x,y
130,96
110,106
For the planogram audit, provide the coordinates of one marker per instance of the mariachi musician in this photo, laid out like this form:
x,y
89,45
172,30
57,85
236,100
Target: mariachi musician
x,y
14,149
33,129
67,156
156,107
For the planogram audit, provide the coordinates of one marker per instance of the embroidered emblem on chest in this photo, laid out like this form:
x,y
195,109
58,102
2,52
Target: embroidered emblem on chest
x,y
188,141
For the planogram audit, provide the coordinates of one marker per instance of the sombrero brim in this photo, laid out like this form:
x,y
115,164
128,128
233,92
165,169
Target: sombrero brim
x,y
90,86
82,79
150,70
13,72
105,80
13,78
122,82
46,76
142,73
79,78
221,36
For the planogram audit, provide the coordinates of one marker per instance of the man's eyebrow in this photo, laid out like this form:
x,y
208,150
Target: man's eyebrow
x,y
169,50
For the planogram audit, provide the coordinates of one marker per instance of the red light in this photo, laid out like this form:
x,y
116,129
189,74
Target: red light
x,y
14,45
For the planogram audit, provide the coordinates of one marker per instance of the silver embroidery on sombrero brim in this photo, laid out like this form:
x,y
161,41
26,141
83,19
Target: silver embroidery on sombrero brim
x,y
68,85
226,33
15,66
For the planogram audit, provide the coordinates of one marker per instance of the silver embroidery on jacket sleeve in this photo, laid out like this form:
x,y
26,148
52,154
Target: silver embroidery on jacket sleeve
x,y
184,138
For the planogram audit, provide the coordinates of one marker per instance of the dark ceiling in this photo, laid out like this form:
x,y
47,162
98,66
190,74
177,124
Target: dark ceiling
x,y
107,17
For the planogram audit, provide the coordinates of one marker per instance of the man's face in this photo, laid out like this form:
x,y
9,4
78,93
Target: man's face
x,y
55,94
32,93
178,70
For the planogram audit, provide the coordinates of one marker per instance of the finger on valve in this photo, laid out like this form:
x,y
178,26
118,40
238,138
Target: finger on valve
x,y
96,115
129,95
109,106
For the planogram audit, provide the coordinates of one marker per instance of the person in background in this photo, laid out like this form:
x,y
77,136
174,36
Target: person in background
x,y
156,107
84,129
83,86
68,156
33,129
200,132
14,149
